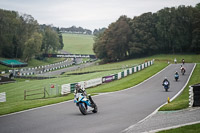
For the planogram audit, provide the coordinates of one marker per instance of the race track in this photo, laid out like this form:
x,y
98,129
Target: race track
x,y
117,111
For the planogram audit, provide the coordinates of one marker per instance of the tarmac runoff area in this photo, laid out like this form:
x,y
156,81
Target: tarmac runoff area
x,y
164,120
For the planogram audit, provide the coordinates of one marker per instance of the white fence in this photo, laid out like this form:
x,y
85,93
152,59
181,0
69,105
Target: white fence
x,y
68,88
3,97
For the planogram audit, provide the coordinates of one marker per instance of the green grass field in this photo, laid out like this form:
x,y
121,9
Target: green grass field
x,y
78,44
185,129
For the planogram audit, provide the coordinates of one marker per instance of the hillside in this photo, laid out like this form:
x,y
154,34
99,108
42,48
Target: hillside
x,y
78,43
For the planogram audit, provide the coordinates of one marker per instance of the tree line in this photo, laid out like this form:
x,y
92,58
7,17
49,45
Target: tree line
x,y
22,37
169,30
76,30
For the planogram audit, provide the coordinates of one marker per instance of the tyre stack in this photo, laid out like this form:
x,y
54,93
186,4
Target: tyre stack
x,y
194,98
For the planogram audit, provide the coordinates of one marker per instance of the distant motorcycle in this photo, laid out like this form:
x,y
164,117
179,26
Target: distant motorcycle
x,y
182,71
166,85
176,76
84,103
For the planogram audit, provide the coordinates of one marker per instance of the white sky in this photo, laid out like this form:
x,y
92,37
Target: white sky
x,y
88,14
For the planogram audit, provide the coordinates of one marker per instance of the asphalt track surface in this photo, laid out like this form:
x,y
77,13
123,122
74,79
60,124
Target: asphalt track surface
x,y
117,110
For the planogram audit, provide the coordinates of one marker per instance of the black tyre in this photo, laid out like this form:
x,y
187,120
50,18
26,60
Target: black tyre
x,y
90,98
166,89
95,108
82,108
176,79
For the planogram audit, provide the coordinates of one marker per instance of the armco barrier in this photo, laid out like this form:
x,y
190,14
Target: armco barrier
x,y
67,88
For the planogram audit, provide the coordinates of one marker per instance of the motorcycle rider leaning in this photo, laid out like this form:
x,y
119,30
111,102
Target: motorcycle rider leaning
x,y
78,89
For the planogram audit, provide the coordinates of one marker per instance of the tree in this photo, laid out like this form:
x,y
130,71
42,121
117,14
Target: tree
x,y
99,47
195,46
143,41
32,46
114,41
50,40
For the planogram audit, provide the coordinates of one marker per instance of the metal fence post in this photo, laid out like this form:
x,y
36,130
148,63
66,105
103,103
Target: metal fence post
x,y
24,94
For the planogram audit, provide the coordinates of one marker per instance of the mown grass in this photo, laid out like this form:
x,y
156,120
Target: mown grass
x,y
78,44
189,58
185,129
182,101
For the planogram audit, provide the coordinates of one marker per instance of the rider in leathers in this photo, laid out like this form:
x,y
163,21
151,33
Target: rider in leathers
x,y
165,80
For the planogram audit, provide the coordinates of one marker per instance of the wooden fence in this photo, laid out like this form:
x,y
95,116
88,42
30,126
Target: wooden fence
x,y
35,92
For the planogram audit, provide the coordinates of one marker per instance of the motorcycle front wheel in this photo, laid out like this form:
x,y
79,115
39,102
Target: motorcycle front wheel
x,y
95,108
82,108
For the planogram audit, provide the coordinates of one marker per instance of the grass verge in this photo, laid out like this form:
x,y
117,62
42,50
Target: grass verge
x,y
78,44
185,129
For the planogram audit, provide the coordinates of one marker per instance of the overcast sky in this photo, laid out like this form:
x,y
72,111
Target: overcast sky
x,y
88,14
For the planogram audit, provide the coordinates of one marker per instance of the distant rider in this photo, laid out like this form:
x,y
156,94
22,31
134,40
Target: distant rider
x,y
165,80
182,68
175,61
176,76
176,73
183,61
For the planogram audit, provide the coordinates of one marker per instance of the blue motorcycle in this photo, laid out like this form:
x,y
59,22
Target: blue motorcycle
x,y
85,103
176,76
